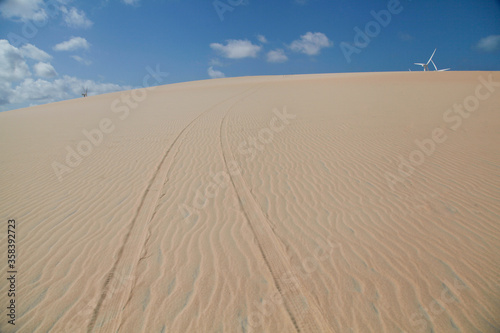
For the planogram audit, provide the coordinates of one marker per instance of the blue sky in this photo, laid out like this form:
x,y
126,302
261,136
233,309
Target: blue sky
x,y
50,49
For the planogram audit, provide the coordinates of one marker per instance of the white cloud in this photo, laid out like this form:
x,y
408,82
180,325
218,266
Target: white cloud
x,y
23,10
4,93
73,44
33,52
81,60
237,49
262,39
131,2
215,62
404,36
75,18
44,69
489,44
40,10
13,66
277,55
34,92
311,43
18,89
215,74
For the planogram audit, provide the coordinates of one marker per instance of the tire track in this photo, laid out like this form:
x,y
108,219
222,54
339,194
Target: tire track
x,y
137,234
300,305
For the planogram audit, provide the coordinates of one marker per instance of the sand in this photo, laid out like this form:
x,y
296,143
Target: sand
x,y
308,203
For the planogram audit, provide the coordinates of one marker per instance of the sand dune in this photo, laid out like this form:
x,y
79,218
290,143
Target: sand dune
x,y
309,203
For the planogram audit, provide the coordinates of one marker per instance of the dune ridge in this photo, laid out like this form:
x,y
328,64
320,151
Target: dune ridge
x,y
208,210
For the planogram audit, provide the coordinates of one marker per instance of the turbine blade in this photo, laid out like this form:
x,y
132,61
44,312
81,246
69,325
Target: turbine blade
x,y
434,65
431,56
419,64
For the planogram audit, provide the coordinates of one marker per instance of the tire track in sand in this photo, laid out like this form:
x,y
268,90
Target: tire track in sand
x,y
130,252
300,305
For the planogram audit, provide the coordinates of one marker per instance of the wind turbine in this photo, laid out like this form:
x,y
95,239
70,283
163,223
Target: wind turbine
x,y
426,66
439,70
84,92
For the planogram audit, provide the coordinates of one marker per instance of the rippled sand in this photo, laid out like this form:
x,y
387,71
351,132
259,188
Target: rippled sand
x,y
311,203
